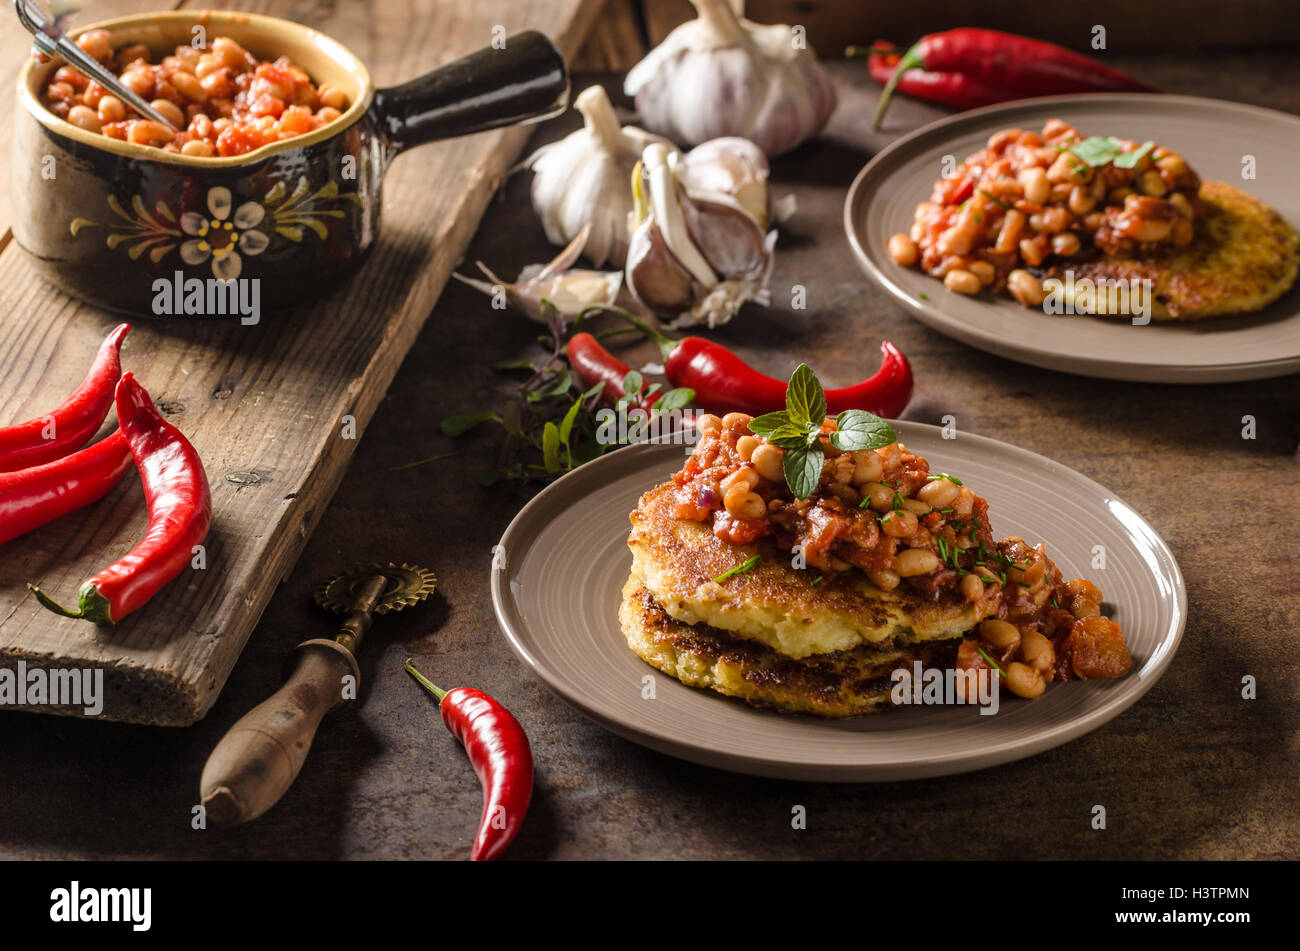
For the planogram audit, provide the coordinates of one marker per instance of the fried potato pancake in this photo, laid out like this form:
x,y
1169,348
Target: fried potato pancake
x,y
1244,257
843,684
678,561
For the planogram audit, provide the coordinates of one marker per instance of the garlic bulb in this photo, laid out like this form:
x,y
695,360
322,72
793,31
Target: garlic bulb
x,y
696,255
581,180
722,75
569,289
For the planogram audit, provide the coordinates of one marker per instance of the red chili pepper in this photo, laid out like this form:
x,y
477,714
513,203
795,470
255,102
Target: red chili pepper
x,y
1018,64
593,364
69,427
724,383
954,90
31,497
499,752
180,511
964,190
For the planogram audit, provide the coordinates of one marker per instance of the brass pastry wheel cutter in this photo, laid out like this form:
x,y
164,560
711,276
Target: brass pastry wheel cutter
x,y
259,757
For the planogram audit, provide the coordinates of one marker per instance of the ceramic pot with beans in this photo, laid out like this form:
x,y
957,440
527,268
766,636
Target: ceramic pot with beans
x,y
273,172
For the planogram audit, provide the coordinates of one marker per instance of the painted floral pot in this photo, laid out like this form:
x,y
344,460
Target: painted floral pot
x,y
115,223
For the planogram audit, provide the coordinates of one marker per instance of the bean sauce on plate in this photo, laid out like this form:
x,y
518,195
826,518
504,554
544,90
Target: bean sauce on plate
x,y
1028,200
882,512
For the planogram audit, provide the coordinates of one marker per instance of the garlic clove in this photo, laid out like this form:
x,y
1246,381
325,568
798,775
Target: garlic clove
x,y
569,289
732,166
666,211
722,75
726,234
654,275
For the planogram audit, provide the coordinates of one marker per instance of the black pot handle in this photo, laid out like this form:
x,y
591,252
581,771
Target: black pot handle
x,y
523,81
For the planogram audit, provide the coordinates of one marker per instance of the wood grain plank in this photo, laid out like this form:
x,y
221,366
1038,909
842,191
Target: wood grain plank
x,y
615,43
265,405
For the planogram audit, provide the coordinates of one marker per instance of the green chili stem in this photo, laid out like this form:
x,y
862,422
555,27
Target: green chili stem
x,y
52,605
424,681
909,60
664,342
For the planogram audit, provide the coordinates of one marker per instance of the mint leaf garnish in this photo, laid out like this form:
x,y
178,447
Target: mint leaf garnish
x,y
803,469
859,429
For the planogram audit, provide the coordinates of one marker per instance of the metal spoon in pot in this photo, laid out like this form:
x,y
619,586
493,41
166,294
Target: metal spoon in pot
x,y
50,40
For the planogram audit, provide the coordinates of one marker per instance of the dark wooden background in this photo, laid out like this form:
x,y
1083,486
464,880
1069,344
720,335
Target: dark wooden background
x,y
1192,771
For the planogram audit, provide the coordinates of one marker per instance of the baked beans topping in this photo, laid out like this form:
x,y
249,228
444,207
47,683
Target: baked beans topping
x,y
224,100
1029,200
882,512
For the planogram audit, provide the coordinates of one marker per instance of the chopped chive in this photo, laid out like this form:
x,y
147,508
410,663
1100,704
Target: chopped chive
x,y
991,661
994,199
866,500
742,568
898,500
943,475
946,511
817,580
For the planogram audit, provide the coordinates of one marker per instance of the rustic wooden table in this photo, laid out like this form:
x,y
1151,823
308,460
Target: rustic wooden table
x,y
1193,771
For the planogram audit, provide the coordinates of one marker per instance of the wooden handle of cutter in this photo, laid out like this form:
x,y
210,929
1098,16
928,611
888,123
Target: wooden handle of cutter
x,y
258,759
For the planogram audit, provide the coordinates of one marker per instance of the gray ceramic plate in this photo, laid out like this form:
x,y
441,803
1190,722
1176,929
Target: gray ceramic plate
x,y
566,560
1212,135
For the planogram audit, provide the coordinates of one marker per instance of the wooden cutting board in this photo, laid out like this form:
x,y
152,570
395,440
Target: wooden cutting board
x,y
275,410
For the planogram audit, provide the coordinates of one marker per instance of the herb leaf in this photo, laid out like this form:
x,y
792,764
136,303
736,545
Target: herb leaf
x,y
1130,159
633,382
859,429
1101,150
456,425
566,424
805,401
803,469
1097,150
515,365
551,447
678,398
769,422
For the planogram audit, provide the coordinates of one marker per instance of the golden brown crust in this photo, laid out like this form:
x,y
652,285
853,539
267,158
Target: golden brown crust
x,y
1244,257
842,684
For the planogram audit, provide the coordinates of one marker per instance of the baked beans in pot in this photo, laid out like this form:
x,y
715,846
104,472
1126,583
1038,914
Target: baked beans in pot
x,y
223,99
275,175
